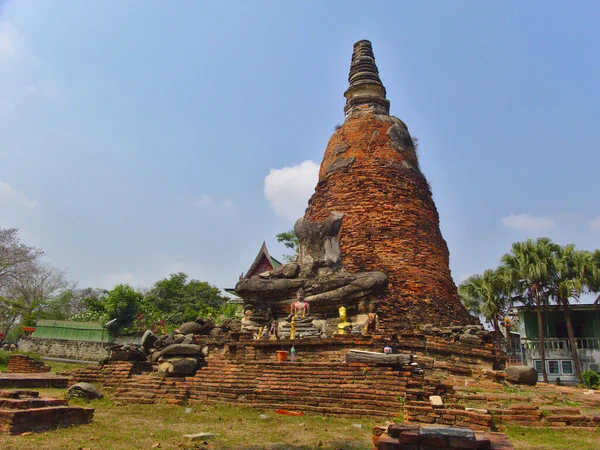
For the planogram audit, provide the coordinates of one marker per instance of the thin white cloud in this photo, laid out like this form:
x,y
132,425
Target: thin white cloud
x,y
206,202
527,222
289,188
10,39
10,195
595,223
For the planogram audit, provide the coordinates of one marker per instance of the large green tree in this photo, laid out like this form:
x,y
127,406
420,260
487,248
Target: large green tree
x,y
181,300
529,268
487,295
122,305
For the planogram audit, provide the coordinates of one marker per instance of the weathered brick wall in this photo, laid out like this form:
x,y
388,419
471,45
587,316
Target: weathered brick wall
x,y
62,348
391,223
25,364
112,374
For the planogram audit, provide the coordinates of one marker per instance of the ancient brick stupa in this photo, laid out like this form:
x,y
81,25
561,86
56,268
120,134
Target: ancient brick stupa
x,y
370,172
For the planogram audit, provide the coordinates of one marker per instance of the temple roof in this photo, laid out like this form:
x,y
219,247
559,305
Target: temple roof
x,y
263,255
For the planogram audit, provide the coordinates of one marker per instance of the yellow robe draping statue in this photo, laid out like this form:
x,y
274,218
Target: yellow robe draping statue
x,y
344,324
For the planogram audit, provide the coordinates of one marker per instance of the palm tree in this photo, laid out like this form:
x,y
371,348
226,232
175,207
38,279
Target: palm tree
x,y
529,268
593,274
570,281
486,295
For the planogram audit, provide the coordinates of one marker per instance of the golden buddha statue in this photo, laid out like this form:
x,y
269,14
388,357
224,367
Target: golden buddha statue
x,y
344,324
293,328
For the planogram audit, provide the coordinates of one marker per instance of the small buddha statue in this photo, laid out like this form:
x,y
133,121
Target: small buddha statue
x,y
299,323
273,331
300,308
344,325
370,324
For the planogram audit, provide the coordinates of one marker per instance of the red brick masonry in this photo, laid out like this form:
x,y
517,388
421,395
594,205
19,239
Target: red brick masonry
x,y
418,437
391,223
22,411
25,364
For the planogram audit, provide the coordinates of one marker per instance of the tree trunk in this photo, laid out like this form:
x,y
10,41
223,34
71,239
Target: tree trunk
x,y
541,335
498,333
391,359
572,341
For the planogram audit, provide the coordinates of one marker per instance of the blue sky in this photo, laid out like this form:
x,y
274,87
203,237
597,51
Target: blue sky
x,y
142,138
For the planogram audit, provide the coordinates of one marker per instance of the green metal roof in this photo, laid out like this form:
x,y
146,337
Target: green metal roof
x,y
73,331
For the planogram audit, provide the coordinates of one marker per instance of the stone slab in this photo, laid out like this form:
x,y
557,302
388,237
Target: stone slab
x,y
32,380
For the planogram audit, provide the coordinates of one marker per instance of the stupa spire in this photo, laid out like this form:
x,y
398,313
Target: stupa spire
x,y
366,92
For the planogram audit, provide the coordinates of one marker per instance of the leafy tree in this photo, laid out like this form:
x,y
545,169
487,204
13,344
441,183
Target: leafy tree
x,y
73,303
15,256
593,274
487,295
529,268
122,304
26,295
569,281
180,300
289,239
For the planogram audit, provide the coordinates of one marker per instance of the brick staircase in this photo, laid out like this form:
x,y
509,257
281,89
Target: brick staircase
x,y
352,390
150,389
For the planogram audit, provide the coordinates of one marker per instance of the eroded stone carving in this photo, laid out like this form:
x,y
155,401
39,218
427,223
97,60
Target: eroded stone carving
x,y
318,270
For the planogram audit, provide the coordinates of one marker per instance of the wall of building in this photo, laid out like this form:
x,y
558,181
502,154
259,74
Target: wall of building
x,y
62,348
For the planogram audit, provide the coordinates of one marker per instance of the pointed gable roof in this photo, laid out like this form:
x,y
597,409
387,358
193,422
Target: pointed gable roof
x,y
260,260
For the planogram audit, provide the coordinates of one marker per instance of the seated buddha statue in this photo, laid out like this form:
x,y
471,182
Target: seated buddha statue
x,y
300,309
299,323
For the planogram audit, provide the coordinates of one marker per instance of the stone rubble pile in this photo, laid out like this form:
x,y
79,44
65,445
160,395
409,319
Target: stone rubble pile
x,y
469,334
178,353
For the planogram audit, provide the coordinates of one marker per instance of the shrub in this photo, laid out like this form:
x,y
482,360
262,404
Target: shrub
x,y
591,379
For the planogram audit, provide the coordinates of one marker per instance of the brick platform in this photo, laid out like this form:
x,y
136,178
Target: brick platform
x,y
418,437
32,380
24,411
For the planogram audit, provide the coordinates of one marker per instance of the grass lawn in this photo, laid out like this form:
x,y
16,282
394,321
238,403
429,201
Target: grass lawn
x,y
163,426
528,438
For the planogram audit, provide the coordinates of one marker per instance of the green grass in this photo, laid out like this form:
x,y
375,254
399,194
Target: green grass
x,y
56,366
118,427
525,438
142,426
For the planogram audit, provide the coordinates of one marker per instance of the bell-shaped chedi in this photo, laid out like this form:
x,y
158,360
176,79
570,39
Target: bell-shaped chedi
x,y
370,173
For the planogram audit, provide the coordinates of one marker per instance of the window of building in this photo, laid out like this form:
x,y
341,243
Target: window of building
x,y
553,367
538,365
567,367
